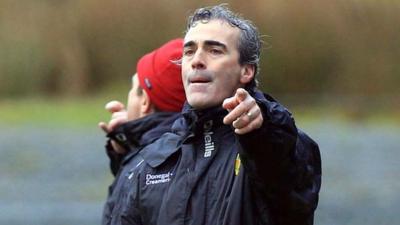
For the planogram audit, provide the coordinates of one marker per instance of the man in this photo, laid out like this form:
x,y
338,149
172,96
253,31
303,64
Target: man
x,y
236,156
155,98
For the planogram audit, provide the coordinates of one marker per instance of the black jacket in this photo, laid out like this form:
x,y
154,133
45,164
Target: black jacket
x,y
133,136
206,174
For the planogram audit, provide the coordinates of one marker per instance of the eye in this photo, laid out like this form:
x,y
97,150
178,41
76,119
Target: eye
x,y
188,52
216,51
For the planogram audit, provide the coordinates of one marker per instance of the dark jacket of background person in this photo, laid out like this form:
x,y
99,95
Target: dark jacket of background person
x,y
133,135
205,174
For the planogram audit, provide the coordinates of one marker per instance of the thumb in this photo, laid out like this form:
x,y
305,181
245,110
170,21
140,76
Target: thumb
x,y
232,102
241,94
114,106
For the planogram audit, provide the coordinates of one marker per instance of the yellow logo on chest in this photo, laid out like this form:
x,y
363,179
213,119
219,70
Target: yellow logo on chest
x,y
237,164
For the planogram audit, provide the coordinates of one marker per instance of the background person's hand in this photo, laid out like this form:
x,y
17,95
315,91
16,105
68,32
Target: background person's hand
x,y
244,114
118,117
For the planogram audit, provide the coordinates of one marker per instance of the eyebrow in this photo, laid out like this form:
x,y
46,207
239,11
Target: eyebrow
x,y
214,43
207,43
189,44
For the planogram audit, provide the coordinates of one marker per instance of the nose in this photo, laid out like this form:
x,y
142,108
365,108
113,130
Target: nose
x,y
198,61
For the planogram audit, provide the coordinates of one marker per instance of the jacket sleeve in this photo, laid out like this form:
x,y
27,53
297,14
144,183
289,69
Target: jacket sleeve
x,y
115,158
119,136
283,164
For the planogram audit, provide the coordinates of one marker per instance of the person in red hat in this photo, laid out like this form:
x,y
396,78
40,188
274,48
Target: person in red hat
x,y
154,103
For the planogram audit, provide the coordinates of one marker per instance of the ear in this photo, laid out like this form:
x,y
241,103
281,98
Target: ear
x,y
247,73
146,106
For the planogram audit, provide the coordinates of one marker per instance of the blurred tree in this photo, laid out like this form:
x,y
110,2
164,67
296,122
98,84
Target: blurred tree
x,y
314,48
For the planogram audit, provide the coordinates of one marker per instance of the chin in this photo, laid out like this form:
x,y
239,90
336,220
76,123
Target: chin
x,y
202,104
198,104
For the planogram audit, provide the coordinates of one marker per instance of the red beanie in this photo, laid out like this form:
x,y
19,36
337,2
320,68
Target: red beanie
x,y
161,78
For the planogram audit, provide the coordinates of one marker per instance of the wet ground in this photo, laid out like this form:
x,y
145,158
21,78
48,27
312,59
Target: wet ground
x,y
59,176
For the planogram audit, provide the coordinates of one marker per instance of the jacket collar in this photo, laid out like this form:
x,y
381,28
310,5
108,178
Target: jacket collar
x,y
196,121
191,123
138,133
145,130
157,152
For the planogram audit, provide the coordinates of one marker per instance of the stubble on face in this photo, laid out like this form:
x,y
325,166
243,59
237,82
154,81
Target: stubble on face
x,y
210,65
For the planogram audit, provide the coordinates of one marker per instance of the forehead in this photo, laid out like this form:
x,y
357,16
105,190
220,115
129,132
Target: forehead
x,y
215,30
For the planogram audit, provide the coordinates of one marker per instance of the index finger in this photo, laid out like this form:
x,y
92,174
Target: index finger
x,y
104,127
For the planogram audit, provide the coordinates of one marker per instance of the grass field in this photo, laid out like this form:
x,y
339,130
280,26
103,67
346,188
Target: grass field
x,y
68,112
88,111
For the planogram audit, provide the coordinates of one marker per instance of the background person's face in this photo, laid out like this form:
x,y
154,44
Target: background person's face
x,y
134,100
210,63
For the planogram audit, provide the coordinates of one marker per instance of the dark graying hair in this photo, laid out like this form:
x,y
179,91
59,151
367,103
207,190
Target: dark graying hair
x,y
249,45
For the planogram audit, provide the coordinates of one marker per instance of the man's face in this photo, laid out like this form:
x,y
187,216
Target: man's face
x,y
134,100
210,64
